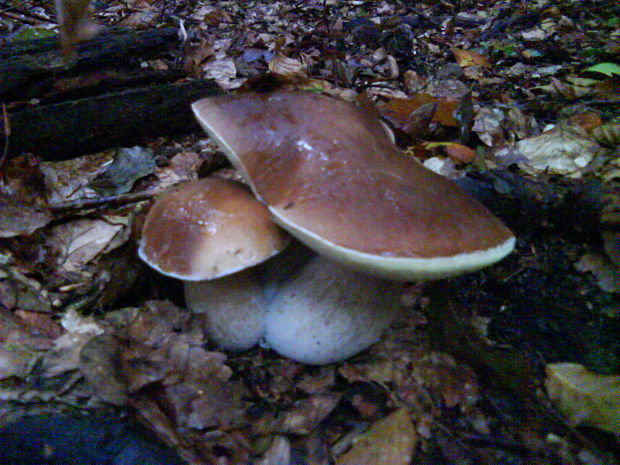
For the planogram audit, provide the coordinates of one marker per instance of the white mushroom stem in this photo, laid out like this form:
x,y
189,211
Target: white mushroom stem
x,y
234,309
327,313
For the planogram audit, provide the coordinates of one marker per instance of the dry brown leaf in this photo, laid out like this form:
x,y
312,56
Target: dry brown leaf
x,y
607,134
285,66
570,88
278,453
606,273
562,150
68,180
398,111
141,19
197,56
307,414
488,124
466,58
586,120
18,218
319,382
455,383
15,360
221,66
101,366
379,371
119,177
585,397
458,153
162,347
81,241
216,17
65,355
390,441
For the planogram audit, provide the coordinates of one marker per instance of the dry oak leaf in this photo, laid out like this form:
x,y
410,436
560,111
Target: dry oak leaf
x,y
584,397
390,441
563,150
467,58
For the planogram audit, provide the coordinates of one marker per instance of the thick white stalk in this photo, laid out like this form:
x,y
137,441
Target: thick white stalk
x,y
234,309
327,313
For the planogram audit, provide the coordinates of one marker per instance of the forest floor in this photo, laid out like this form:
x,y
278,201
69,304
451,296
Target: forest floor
x,y
515,364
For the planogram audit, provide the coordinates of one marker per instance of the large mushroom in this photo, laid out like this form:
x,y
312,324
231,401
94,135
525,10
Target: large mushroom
x,y
331,175
210,233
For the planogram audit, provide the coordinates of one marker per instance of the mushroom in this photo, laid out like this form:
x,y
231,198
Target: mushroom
x,y
331,175
209,233
326,313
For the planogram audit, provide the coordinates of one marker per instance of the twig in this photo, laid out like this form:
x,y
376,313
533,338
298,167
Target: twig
x,y
7,135
115,200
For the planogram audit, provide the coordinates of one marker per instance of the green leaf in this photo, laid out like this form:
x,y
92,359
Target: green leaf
x,y
608,69
33,33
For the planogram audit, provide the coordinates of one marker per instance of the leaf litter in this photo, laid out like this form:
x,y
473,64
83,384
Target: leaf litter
x,y
474,90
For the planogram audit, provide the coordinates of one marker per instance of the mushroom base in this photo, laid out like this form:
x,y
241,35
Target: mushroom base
x,y
234,309
328,313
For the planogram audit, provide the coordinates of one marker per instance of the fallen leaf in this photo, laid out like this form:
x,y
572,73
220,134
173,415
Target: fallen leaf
x,y
15,360
307,414
607,134
285,66
221,66
563,150
81,241
68,180
570,88
488,124
467,58
608,69
142,19
399,111
389,441
606,273
19,218
586,120
100,363
129,165
319,382
585,397
455,383
278,453
458,153
443,166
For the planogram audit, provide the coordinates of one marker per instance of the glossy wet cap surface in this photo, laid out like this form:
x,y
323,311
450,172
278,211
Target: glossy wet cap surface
x,y
208,228
330,174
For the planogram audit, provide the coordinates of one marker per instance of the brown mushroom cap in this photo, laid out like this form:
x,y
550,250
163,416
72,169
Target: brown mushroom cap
x,y
333,178
208,228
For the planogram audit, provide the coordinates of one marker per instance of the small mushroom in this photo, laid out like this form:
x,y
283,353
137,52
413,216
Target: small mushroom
x,y
209,233
331,175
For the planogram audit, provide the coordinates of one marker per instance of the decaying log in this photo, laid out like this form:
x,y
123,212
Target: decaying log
x,y
64,130
35,69
543,204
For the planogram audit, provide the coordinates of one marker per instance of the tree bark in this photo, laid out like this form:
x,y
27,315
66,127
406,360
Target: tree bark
x,y
65,130
36,69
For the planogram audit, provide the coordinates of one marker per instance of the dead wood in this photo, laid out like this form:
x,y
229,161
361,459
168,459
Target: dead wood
x,y
538,205
35,68
64,130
